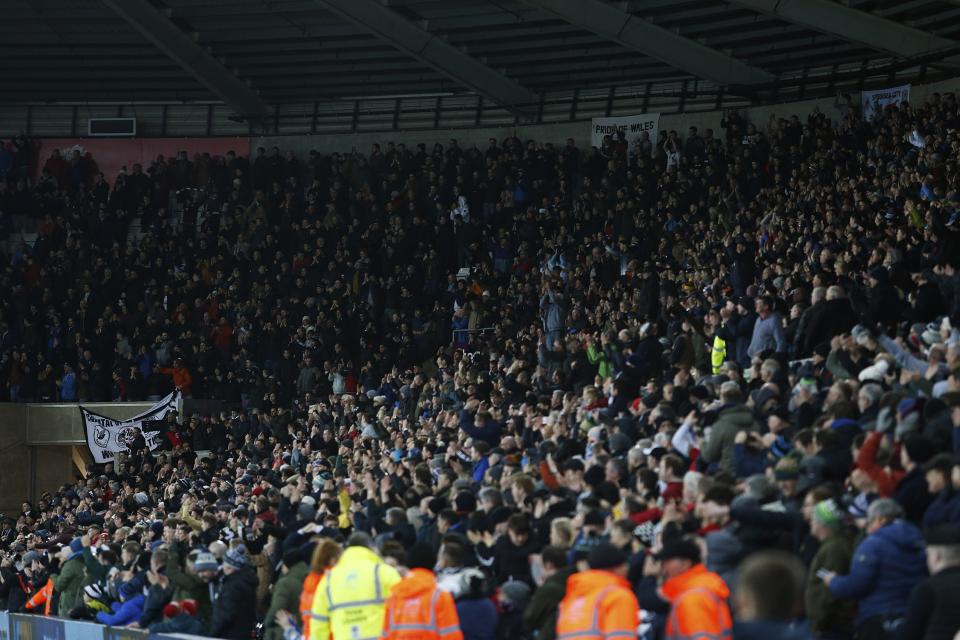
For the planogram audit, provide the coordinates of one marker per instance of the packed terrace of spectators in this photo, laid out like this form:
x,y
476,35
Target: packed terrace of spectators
x,y
728,354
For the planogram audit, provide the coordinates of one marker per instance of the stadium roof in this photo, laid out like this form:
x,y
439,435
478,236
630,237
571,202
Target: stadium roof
x,y
256,54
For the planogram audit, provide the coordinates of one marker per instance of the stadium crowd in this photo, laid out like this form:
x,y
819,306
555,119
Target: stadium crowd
x,y
704,386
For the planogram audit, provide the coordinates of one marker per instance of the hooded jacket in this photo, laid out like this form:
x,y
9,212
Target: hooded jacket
x,y
417,609
350,597
598,604
698,605
886,567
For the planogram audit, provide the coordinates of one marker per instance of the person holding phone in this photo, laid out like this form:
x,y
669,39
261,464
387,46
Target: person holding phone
x,y
829,617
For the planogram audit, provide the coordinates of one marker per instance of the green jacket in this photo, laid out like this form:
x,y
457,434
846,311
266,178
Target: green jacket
x,y
541,614
599,358
69,584
824,611
186,585
731,420
286,596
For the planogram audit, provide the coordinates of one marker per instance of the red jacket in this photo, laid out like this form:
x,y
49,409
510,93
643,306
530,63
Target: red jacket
x,y
885,479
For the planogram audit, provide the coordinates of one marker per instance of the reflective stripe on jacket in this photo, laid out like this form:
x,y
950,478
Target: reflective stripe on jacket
x,y
718,354
698,607
418,609
306,600
350,597
599,605
43,597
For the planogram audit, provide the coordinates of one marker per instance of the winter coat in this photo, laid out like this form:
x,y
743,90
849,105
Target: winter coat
x,y
720,447
886,567
944,508
286,596
417,609
540,616
512,561
912,494
600,602
824,611
123,612
235,606
188,586
157,598
827,319
698,605
478,618
934,609
69,584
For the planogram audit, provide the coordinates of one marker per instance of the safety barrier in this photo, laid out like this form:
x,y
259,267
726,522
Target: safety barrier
x,y
15,626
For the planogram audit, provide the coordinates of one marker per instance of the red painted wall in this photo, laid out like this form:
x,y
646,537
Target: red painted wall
x,y
112,153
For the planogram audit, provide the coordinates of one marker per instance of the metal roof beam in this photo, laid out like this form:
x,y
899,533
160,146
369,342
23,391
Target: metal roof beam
x,y
181,48
853,25
406,36
630,31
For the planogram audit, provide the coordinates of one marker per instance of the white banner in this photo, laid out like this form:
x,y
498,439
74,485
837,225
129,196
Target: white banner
x,y
873,102
106,437
632,126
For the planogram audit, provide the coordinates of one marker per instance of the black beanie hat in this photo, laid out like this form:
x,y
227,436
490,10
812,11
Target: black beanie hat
x,y
606,556
421,556
919,448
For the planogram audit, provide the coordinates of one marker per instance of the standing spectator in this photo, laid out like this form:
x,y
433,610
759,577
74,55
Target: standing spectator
x,y
733,417
769,599
182,379
69,581
599,602
68,384
235,602
934,609
540,617
553,312
767,330
350,597
697,597
830,618
286,591
416,608
886,567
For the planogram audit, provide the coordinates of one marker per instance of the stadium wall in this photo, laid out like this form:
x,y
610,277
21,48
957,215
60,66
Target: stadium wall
x,y
560,131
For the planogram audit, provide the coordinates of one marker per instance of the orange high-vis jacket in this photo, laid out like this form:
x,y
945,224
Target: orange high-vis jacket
x,y
43,597
417,610
306,599
599,605
698,606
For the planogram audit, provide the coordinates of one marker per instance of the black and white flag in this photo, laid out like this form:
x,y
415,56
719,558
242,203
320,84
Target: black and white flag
x,y
106,437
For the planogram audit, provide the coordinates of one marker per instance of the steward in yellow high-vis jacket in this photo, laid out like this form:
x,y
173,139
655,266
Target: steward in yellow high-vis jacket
x,y
350,598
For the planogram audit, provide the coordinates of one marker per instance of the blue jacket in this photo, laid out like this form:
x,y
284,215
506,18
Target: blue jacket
x,y
887,565
123,613
944,509
478,618
479,469
490,433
